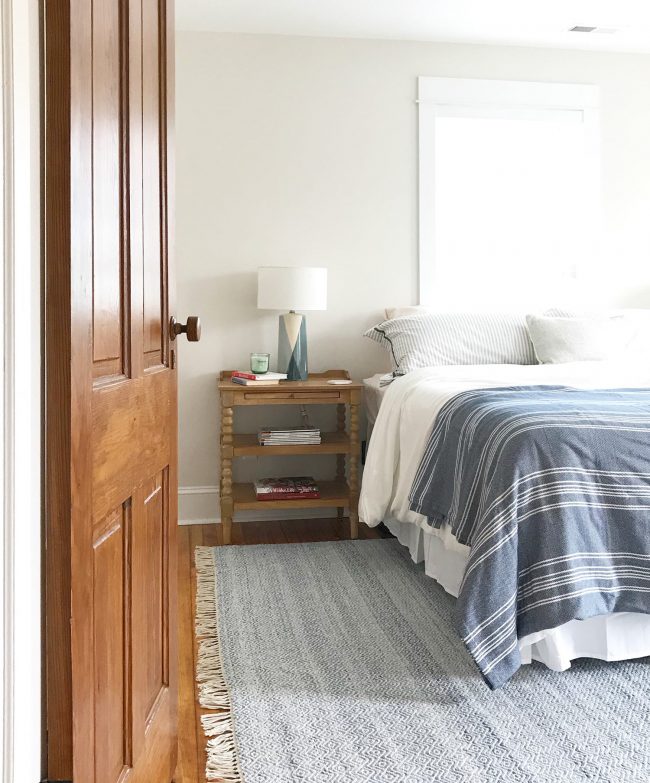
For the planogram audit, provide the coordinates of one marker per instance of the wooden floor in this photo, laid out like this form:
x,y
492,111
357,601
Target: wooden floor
x,y
191,741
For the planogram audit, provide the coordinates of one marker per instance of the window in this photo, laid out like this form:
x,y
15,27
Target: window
x,y
509,184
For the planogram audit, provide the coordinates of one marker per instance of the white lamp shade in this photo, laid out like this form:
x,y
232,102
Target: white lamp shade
x,y
292,288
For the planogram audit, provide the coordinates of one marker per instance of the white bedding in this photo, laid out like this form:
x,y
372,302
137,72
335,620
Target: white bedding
x,y
373,393
408,411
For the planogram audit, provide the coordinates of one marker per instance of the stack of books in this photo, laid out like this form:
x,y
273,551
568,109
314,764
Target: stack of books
x,y
289,436
296,488
252,379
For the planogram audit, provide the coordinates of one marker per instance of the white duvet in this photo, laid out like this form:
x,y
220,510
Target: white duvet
x,y
407,414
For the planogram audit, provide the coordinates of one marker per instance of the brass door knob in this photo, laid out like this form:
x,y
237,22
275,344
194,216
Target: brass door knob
x,y
191,329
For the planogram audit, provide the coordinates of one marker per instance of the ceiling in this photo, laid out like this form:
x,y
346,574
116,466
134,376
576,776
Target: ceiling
x,y
521,22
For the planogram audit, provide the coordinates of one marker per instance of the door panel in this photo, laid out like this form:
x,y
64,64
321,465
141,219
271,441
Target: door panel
x,y
154,277
154,543
112,391
108,261
111,595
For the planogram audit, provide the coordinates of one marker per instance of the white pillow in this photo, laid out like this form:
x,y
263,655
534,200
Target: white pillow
x,y
436,339
398,312
560,339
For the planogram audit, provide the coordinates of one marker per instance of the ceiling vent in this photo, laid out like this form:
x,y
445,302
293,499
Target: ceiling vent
x,y
602,30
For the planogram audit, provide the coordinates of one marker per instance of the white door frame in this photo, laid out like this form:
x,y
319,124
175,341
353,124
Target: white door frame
x,y
20,490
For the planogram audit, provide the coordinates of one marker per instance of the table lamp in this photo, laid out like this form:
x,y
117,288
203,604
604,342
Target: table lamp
x,y
292,288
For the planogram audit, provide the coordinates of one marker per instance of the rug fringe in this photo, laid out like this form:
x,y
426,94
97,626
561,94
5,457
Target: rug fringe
x,y
205,623
222,761
214,695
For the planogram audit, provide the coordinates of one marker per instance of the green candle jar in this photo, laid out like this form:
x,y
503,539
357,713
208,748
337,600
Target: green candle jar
x,y
260,363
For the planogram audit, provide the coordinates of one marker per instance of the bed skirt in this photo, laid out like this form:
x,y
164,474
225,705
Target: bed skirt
x,y
611,637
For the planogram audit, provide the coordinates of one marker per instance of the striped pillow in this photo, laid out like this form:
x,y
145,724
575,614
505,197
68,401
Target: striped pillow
x,y
436,339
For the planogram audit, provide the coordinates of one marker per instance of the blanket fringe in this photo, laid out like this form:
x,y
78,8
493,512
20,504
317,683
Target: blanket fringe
x,y
222,761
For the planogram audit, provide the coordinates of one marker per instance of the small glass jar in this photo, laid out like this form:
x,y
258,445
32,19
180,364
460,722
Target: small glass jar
x,y
260,363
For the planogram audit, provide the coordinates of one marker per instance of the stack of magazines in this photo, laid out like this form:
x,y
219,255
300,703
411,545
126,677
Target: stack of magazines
x,y
289,436
286,488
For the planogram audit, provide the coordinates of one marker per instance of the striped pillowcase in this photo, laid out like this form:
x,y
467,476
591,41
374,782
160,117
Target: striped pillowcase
x,y
436,339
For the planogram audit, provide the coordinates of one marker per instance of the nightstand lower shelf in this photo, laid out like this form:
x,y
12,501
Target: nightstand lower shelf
x,y
332,494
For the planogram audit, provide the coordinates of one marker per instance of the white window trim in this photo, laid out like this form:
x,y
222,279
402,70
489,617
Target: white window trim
x,y
482,98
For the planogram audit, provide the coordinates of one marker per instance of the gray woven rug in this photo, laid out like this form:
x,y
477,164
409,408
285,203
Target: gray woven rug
x,y
339,662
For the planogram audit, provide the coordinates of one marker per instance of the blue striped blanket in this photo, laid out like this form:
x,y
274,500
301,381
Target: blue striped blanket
x,y
550,488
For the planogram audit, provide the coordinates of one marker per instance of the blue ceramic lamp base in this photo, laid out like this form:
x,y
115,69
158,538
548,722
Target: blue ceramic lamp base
x,y
292,346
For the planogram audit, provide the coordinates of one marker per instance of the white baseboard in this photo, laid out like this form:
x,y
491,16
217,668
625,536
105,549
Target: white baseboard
x,y
200,506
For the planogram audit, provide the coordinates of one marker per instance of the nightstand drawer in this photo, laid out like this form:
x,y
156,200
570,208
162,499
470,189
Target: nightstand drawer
x,y
294,395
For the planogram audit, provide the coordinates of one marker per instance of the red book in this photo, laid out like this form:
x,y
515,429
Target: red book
x,y
286,488
266,376
250,376
288,496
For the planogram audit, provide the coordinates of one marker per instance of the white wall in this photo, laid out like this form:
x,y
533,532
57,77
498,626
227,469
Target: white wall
x,y
303,151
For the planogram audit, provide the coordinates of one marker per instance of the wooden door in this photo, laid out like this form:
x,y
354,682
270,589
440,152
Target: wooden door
x,y
110,390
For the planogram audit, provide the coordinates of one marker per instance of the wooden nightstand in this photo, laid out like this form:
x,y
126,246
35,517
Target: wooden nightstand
x,y
314,391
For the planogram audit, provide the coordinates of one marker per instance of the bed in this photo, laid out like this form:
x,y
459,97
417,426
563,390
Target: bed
x,y
403,416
